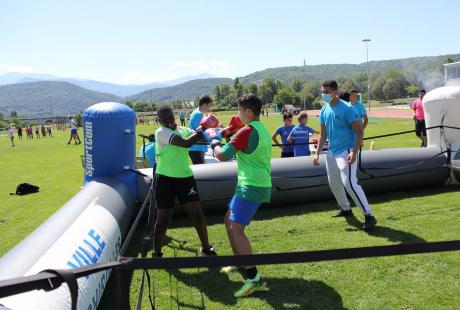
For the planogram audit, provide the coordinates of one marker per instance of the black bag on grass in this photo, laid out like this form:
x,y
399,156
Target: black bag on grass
x,y
26,188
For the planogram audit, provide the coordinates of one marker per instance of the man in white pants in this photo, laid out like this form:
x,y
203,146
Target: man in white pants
x,y
342,125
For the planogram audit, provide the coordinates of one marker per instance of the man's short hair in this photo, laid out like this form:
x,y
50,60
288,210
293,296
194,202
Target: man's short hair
x,y
205,99
287,115
251,102
302,115
344,96
163,108
422,91
330,84
353,91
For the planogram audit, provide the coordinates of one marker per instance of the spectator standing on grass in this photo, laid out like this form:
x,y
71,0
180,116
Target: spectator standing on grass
x,y
43,130
19,132
182,118
342,125
284,131
73,131
358,106
196,152
49,131
419,117
37,132
11,135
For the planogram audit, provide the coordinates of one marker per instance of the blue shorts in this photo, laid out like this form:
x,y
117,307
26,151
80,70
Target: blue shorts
x,y
73,131
242,211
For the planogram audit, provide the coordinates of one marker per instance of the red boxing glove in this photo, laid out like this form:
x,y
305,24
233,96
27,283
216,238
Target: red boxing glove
x,y
209,121
234,125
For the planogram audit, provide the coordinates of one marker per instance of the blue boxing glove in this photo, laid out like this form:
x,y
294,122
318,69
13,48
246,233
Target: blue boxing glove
x,y
213,136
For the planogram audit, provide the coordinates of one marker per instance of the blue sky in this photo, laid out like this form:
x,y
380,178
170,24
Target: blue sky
x,y
143,41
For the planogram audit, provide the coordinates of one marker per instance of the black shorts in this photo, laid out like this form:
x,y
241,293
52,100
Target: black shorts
x,y
167,189
420,128
287,154
197,157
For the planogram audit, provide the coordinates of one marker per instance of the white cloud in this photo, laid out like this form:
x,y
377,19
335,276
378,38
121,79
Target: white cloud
x,y
21,68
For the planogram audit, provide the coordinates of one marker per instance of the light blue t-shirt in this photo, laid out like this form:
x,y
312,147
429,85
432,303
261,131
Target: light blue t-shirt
x,y
149,152
284,132
181,115
359,108
337,120
301,134
195,119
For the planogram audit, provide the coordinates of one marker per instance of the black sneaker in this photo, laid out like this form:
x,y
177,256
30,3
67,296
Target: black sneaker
x,y
157,255
369,222
342,212
207,252
146,246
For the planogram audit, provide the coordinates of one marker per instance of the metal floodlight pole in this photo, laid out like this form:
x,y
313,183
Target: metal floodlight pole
x,y
368,80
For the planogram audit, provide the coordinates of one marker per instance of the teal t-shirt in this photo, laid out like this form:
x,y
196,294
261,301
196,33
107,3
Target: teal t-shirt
x,y
337,120
149,152
195,119
359,108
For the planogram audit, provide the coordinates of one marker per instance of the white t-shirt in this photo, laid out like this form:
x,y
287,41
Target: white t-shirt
x,y
10,132
164,135
73,124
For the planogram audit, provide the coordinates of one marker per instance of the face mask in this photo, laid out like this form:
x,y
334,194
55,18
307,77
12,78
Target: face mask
x,y
326,98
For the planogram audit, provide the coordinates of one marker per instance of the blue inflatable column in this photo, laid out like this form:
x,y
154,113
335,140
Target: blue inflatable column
x,y
110,142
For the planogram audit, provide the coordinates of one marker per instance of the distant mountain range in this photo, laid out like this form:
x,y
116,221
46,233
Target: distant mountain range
x,y
105,87
30,95
187,90
48,98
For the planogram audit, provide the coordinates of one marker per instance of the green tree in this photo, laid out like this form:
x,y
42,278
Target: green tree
x,y
286,95
308,98
273,84
238,87
220,92
251,88
2,117
129,104
297,85
377,89
141,106
265,93
392,89
230,100
78,119
411,89
349,84
13,114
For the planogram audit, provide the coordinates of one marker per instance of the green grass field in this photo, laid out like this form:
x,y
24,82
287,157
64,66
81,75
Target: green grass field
x,y
428,281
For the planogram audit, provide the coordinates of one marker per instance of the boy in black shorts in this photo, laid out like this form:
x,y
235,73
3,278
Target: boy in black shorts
x,y
174,178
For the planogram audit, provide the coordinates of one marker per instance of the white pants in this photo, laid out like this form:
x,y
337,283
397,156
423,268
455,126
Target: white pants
x,y
342,175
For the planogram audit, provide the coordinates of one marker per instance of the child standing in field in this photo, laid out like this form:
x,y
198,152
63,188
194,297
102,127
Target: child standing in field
x,y
300,135
284,131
